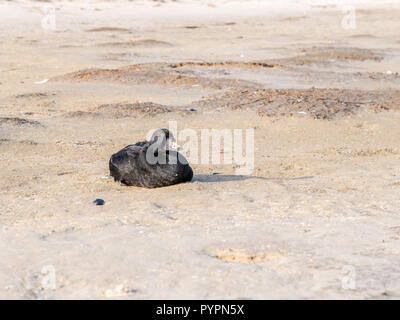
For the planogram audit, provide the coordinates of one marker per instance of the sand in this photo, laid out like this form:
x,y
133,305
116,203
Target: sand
x,y
318,218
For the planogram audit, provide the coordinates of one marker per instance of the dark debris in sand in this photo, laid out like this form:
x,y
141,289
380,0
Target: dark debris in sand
x,y
224,64
139,109
24,142
318,103
108,29
344,54
136,43
81,114
241,94
328,55
18,121
33,95
165,74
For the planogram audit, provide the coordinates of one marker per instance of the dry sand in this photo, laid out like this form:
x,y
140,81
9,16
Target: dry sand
x,y
317,218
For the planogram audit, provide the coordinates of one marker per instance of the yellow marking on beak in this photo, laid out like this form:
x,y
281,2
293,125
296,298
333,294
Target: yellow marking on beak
x,y
174,145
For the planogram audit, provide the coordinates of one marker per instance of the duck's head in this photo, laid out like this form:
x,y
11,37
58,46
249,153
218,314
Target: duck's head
x,y
164,139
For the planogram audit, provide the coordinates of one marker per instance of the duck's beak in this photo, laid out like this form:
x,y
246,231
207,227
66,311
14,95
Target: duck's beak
x,y
174,146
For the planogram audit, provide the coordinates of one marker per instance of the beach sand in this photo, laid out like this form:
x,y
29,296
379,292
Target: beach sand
x,y
318,218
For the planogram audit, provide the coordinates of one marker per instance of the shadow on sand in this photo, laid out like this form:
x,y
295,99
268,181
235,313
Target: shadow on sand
x,y
227,177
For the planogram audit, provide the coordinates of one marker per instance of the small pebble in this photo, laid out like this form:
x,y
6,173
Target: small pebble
x,y
99,202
